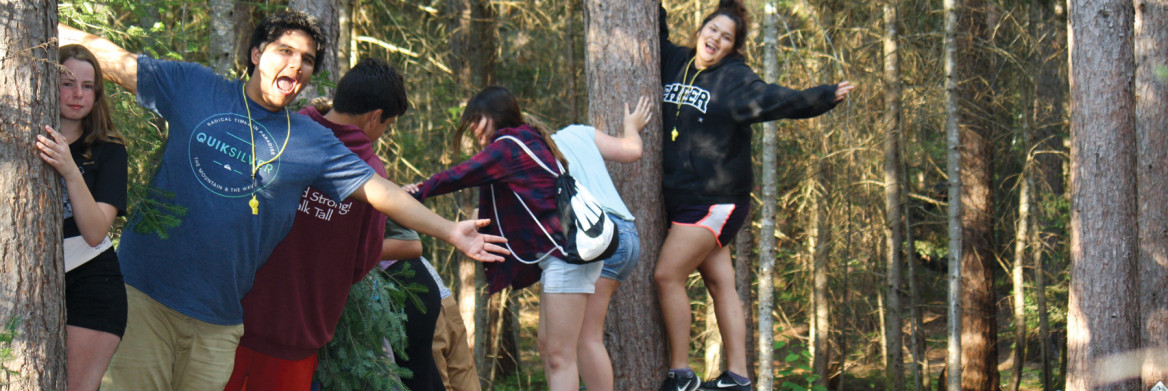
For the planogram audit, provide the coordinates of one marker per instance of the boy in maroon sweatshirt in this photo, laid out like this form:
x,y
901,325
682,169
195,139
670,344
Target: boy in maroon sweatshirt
x,y
294,305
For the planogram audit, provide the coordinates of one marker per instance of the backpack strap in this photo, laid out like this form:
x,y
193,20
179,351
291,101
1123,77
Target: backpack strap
x,y
533,157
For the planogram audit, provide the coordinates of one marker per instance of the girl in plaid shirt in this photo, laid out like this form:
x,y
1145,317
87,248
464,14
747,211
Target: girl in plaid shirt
x,y
519,196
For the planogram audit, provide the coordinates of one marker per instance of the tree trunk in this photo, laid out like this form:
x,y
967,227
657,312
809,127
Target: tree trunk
x,y
618,71
346,34
819,240
473,39
744,263
893,233
1103,311
1048,114
227,45
1151,31
715,361
32,272
1021,236
471,27
327,14
766,240
953,152
221,45
979,349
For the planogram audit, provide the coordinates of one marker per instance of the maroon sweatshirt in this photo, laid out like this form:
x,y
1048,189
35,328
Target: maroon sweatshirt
x,y
293,308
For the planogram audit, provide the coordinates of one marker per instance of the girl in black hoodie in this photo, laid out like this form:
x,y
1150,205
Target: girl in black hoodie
x,y
711,97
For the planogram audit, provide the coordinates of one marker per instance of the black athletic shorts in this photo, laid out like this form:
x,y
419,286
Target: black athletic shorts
x,y
95,295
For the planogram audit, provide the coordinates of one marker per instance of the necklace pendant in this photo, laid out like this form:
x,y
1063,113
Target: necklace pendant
x,y
673,135
255,205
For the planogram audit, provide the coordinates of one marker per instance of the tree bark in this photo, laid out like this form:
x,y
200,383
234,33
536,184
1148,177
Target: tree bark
x,y
31,271
979,349
226,36
621,48
327,13
818,244
346,34
473,39
1103,312
743,265
953,152
1151,31
1021,236
893,233
766,242
715,361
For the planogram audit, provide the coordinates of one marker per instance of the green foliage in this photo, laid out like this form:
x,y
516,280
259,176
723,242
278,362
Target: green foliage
x,y
355,359
796,375
6,337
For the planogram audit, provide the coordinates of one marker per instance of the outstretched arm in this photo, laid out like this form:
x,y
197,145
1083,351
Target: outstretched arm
x,y
626,148
388,198
118,65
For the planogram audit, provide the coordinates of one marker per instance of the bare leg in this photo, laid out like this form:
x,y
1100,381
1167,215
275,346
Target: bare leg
x,y
718,275
595,365
560,318
685,247
88,354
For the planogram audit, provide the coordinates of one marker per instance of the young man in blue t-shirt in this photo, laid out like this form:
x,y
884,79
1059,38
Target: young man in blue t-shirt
x,y
237,160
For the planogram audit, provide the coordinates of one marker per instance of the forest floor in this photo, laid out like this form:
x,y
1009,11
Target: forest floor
x,y
864,369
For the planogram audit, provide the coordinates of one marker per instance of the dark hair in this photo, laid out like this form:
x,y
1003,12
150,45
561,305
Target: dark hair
x,y
736,11
275,25
497,104
98,125
372,84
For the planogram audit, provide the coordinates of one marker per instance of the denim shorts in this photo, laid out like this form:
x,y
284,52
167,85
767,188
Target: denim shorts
x,y
628,251
559,276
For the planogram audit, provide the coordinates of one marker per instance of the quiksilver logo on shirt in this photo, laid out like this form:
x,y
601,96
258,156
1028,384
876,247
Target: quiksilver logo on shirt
x,y
693,96
220,155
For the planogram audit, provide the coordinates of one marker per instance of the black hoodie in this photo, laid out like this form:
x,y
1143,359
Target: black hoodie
x,y
709,161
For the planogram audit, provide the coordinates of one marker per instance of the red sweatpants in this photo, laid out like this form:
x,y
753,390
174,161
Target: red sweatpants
x,y
256,371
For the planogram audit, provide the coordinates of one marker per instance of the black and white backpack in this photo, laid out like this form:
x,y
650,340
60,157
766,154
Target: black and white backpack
x,y
589,234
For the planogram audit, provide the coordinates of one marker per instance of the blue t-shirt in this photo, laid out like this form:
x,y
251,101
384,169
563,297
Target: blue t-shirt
x,y
586,165
205,265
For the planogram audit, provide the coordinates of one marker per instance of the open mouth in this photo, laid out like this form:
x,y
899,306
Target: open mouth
x,y
711,48
285,84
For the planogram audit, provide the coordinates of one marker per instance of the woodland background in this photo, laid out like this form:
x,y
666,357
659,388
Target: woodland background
x,y
850,261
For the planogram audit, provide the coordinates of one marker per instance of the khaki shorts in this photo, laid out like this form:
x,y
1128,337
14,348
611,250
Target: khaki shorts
x,y
166,350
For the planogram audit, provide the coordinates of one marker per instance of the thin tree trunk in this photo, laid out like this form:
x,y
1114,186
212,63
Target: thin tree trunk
x,y
1151,31
1103,311
715,361
820,337
619,70
920,367
32,312
766,242
893,233
346,32
1021,236
1040,295
743,265
1049,59
953,145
